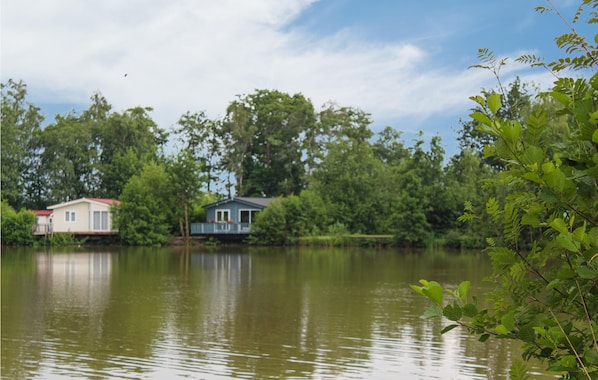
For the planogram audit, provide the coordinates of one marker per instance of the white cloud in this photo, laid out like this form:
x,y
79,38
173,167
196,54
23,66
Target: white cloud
x,y
188,55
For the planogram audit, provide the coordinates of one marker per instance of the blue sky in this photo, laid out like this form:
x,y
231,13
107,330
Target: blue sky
x,y
405,62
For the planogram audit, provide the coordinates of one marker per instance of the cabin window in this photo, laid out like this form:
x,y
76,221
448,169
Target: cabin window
x,y
70,216
100,220
222,215
248,216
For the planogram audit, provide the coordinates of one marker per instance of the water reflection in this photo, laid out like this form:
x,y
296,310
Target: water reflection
x,y
75,280
154,313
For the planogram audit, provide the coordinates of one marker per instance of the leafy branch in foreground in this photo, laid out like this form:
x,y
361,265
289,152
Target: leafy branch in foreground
x,y
545,264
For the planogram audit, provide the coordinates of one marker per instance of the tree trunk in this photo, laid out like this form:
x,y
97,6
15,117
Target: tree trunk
x,y
186,222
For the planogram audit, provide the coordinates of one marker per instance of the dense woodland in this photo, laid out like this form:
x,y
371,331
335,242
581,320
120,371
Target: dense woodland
x,y
332,172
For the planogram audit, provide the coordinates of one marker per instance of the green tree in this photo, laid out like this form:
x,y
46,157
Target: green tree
x,y
145,216
186,180
270,225
118,135
237,133
465,174
546,295
20,128
353,182
390,149
264,133
407,220
16,227
288,218
200,135
68,159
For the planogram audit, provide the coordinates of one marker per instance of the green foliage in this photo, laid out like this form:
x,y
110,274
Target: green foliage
x,y
16,227
64,239
262,142
270,225
20,128
145,216
186,180
544,263
288,218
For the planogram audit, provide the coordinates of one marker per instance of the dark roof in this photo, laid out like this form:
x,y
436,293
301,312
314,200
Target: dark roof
x,y
251,201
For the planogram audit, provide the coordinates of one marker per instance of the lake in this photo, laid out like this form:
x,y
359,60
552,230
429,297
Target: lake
x,y
238,312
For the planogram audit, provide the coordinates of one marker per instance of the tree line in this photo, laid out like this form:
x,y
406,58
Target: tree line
x,y
268,144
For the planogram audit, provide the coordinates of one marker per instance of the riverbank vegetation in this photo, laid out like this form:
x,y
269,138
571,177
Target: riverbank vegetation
x,y
329,170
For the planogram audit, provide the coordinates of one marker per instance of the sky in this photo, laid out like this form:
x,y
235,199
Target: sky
x,y
404,62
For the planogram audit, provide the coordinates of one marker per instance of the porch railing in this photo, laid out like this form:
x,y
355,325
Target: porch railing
x,y
42,229
219,228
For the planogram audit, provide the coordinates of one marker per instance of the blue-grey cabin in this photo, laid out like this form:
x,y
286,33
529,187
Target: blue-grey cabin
x,y
230,216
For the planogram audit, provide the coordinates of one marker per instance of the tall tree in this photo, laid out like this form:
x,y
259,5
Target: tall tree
x,y
265,146
200,135
237,134
119,134
186,179
352,182
145,215
20,129
68,159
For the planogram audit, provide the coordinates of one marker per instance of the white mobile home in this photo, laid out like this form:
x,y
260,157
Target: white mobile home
x,y
83,216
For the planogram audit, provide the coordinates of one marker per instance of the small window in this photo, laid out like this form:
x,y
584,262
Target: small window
x,y
248,216
222,215
69,216
244,216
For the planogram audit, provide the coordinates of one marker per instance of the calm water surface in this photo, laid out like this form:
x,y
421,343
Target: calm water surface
x,y
237,313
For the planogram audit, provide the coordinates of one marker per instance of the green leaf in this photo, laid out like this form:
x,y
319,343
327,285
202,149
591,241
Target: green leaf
x,y
434,292
432,311
556,180
469,310
452,312
463,289
518,371
501,329
564,363
586,273
494,103
418,289
527,334
447,329
529,219
478,99
595,136
533,155
591,357
559,225
508,321
484,337
480,117
566,242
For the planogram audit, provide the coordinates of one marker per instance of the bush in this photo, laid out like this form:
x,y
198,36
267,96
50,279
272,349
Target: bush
x,y
16,227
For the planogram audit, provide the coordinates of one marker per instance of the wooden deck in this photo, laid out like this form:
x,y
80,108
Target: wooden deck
x,y
46,229
220,228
